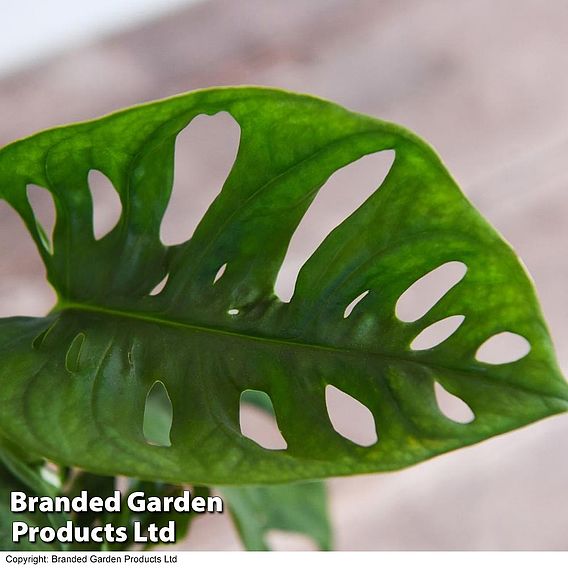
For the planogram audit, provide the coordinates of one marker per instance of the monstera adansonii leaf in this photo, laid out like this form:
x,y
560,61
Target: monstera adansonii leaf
x,y
73,385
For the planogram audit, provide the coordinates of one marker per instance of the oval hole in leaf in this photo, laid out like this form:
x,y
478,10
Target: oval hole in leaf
x,y
24,291
353,303
350,418
160,286
51,473
158,416
73,356
107,207
204,155
122,483
345,191
258,420
285,540
220,273
40,338
427,291
43,206
452,407
505,347
436,333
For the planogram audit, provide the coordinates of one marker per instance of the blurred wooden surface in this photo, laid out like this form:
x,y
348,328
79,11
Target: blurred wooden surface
x,y
485,82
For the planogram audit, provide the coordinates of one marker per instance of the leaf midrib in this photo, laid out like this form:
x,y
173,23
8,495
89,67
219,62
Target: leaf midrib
x,y
63,306
150,318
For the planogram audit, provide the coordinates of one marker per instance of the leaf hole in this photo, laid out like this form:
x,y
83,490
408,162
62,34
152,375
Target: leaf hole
x,y
233,312
160,286
51,473
428,290
122,484
220,273
452,407
353,303
345,191
158,416
437,333
132,354
204,155
350,418
24,290
40,339
73,356
279,540
505,347
107,207
258,420
42,204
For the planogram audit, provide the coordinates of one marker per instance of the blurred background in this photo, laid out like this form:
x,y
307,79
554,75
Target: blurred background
x,y
485,82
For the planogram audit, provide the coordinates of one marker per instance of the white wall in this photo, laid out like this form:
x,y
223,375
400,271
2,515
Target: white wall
x,y
31,30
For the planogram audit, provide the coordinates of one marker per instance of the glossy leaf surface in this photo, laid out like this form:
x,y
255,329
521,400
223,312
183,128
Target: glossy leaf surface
x,y
73,385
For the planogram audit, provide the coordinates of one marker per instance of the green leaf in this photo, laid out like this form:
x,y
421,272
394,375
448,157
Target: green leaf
x,y
294,507
73,385
25,468
9,483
